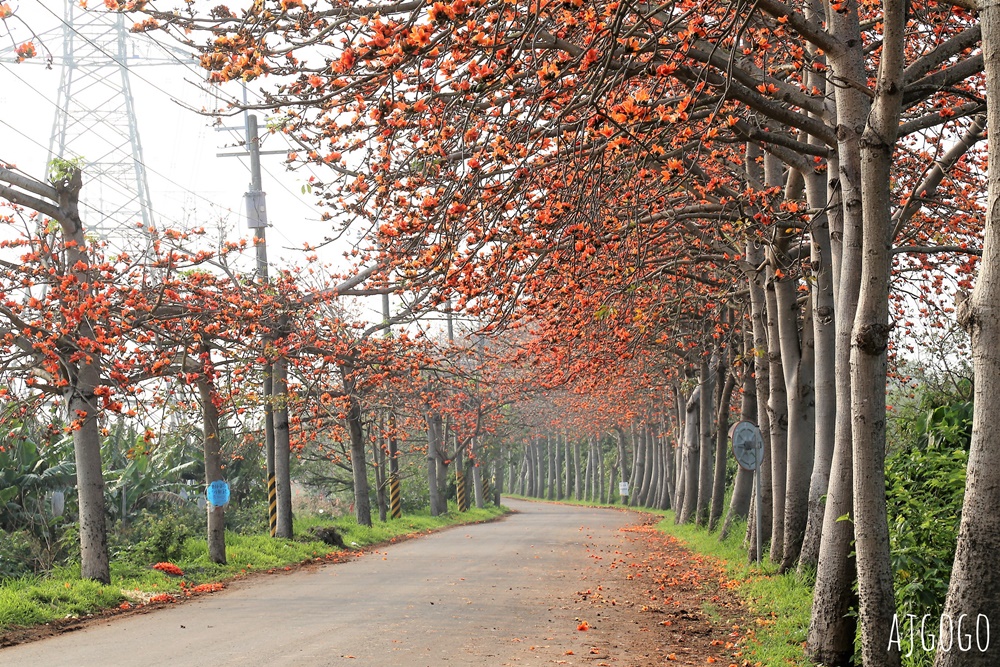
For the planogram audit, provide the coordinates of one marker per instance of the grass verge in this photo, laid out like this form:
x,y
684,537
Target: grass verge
x,y
32,601
780,604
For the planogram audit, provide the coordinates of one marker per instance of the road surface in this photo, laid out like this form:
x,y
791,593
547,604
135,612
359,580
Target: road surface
x,y
502,593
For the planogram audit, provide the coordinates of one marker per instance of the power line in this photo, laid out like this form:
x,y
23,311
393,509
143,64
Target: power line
x,y
169,180
105,53
82,203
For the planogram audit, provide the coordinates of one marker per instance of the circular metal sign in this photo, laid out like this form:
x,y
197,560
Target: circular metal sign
x,y
748,445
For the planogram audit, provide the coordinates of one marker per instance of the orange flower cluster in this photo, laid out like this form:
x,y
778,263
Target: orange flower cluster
x,y
207,588
169,568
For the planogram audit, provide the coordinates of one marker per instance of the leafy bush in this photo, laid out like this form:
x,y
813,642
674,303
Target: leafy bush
x,y
248,519
925,491
16,554
30,472
925,487
157,535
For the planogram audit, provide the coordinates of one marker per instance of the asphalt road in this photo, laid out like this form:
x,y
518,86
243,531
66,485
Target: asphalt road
x,y
502,593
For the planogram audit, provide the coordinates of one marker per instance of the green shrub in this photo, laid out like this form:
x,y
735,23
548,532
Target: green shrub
x,y
157,535
16,554
925,489
247,519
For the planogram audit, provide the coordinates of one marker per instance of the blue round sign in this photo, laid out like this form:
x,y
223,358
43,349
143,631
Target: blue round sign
x,y
218,493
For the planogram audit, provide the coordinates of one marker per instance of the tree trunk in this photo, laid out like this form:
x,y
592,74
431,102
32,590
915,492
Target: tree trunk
x,y
974,590
654,478
705,444
678,498
727,381
870,338
758,303
359,465
797,365
832,625
622,454
601,489
94,563
680,491
438,506
81,403
777,414
379,468
612,498
739,503
542,461
559,468
550,460
647,465
661,468
213,467
524,485
692,430
824,379
666,502
498,487
443,462
577,490
568,465
477,480
588,483
638,463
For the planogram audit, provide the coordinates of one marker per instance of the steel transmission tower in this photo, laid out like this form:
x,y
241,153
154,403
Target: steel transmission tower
x,y
96,121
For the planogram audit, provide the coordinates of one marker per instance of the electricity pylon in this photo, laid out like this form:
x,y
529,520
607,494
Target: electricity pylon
x,y
96,121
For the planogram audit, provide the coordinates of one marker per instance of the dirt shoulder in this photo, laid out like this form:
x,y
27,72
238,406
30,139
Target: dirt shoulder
x,y
655,602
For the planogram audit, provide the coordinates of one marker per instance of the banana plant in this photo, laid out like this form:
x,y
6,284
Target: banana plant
x,y
29,477
139,475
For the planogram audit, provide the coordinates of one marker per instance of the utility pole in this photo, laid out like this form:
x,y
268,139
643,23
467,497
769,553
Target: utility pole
x,y
256,213
257,219
395,499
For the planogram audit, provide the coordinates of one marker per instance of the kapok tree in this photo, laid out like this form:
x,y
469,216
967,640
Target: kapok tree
x,y
57,345
198,330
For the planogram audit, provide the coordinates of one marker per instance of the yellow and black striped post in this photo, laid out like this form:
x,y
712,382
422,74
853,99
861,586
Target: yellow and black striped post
x,y
395,509
463,501
272,505
487,491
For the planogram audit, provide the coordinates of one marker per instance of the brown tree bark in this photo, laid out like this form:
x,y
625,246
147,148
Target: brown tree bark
x,y
213,468
727,382
974,589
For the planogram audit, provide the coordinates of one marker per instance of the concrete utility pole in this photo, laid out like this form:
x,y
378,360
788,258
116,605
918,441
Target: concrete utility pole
x,y
395,498
256,212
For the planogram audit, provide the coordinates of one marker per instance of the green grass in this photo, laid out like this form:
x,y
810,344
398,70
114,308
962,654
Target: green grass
x,y
31,601
35,600
779,604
